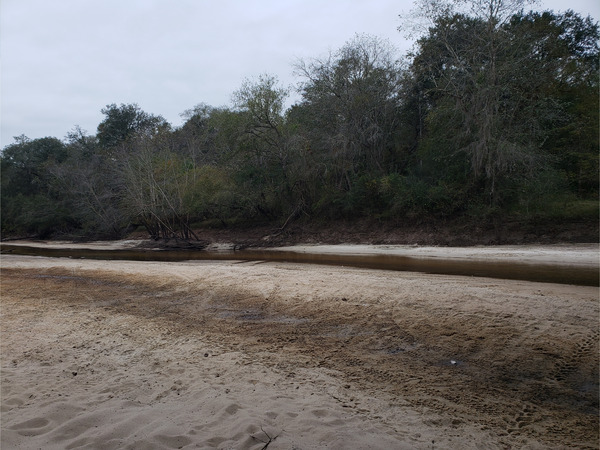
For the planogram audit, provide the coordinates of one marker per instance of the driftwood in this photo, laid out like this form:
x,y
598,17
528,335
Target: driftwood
x,y
270,439
293,216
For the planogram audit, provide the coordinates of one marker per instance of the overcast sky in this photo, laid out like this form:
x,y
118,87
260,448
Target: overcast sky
x,y
62,61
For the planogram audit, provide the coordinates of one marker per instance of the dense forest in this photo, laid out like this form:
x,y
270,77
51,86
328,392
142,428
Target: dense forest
x,y
492,116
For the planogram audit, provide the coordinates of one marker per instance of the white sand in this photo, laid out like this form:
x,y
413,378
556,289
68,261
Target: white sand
x,y
583,255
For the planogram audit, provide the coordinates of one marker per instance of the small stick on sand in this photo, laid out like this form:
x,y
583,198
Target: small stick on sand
x,y
271,439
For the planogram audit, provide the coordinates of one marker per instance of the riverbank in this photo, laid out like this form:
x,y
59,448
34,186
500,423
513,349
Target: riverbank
x,y
447,233
463,232
233,354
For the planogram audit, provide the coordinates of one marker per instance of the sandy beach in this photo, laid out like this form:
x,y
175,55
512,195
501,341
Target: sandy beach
x,y
274,355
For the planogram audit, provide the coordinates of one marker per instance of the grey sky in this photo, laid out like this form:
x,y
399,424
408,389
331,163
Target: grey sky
x,y
64,60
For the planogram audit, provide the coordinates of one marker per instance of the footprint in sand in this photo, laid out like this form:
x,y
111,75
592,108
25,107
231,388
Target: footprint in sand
x,y
11,403
178,441
570,364
31,427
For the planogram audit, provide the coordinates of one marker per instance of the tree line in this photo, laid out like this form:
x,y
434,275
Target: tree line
x,y
493,114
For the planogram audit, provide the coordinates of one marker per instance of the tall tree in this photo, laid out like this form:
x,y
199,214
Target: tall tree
x,y
262,147
262,103
474,71
156,183
30,203
350,101
565,57
197,137
91,187
124,122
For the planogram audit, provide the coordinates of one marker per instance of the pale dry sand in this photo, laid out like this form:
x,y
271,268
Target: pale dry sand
x,y
579,255
251,355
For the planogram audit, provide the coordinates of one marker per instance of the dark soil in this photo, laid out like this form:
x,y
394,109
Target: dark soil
x,y
438,233
456,233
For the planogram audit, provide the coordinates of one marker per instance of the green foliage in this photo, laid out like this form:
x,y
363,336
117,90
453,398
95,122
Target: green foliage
x,y
124,122
474,74
349,108
37,215
30,204
392,196
211,195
